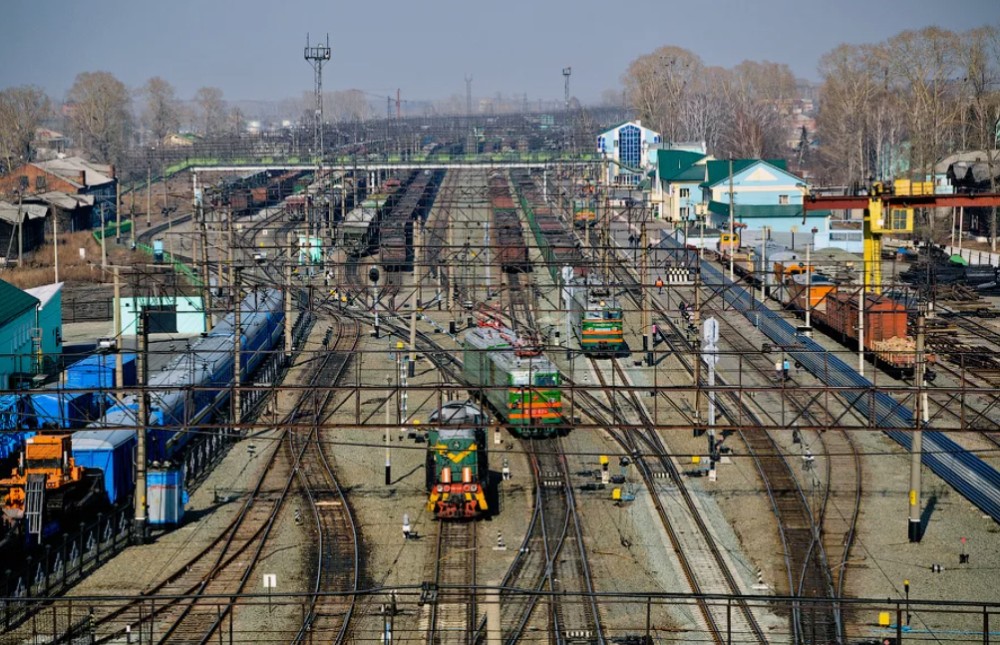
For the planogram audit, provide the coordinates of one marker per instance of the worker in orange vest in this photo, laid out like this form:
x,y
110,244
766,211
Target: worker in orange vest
x,y
659,284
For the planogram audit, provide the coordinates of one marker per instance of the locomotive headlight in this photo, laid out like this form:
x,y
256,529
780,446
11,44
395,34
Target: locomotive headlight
x,y
440,488
474,488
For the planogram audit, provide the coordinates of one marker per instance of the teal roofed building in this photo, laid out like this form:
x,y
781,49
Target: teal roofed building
x,y
676,182
30,328
764,194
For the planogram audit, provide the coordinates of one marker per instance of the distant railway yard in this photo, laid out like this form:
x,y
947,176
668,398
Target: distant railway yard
x,y
502,402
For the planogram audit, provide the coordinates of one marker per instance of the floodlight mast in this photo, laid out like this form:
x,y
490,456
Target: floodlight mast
x,y
316,56
566,72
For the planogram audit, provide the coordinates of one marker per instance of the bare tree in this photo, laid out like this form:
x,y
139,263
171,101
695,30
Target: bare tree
x,y
753,126
922,65
611,98
979,61
161,114
703,112
212,109
657,85
346,105
100,115
844,114
22,110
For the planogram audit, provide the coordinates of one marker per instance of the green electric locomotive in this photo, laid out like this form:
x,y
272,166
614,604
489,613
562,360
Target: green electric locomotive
x,y
522,385
597,320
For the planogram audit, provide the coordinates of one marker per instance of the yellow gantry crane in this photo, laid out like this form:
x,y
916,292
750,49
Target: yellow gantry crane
x,y
890,212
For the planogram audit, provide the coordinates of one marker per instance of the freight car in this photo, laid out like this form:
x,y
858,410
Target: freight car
x,y
358,231
396,229
522,386
509,249
836,311
456,468
558,245
597,320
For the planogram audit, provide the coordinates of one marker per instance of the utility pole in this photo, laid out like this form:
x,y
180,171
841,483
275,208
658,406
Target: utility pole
x,y
118,211
142,372
55,242
237,414
117,315
412,366
388,458
104,241
645,322
914,529
451,275
206,288
317,57
149,193
732,224
288,311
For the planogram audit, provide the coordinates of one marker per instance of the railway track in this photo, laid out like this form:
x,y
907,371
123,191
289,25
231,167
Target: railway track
x,y
337,545
450,614
803,539
191,611
700,557
804,530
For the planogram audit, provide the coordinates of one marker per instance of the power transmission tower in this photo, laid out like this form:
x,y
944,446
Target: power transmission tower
x,y
317,56
566,72
468,96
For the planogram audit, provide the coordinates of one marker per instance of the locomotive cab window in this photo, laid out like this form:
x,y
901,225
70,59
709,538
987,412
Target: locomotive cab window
x,y
546,379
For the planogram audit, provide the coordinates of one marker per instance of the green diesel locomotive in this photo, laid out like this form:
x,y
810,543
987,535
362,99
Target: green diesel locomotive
x,y
457,470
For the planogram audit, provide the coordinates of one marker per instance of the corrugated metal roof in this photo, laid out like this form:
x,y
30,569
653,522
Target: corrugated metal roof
x,y
69,168
14,302
12,213
64,201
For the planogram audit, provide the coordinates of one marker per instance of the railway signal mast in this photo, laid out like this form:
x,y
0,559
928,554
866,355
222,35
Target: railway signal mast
x,y
317,55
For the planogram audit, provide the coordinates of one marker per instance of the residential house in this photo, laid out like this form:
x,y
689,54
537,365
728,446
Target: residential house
x,y
178,140
49,144
70,175
628,150
763,194
675,192
73,212
22,229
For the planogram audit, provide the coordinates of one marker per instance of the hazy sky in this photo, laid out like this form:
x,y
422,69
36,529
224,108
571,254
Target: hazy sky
x,y
252,49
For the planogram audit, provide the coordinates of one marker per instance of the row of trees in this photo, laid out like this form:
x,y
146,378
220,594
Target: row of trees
x,y
884,109
906,102
101,116
736,112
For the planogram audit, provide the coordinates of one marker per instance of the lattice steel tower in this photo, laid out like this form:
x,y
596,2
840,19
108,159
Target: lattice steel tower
x,y
566,72
316,56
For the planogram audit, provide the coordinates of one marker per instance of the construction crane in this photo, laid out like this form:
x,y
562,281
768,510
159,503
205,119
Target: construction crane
x,y
891,211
